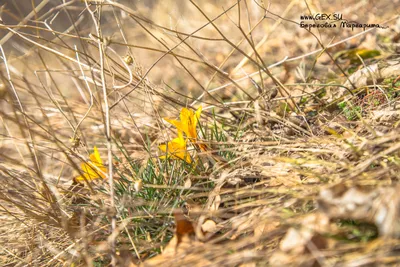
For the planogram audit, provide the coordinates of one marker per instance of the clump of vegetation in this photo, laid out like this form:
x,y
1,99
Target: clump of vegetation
x,y
351,112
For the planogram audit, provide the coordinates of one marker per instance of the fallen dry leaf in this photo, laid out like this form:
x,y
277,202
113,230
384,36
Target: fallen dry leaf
x,y
379,206
209,226
183,240
188,183
264,228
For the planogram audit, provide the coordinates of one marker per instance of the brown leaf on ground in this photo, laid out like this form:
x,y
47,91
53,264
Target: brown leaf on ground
x,y
183,226
302,246
184,239
209,226
379,206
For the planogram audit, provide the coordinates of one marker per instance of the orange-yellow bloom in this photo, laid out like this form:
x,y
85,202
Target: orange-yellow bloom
x,y
93,169
176,148
188,122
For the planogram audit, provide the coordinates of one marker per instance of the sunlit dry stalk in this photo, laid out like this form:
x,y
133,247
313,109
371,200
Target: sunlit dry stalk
x,y
281,87
16,95
41,5
169,50
101,47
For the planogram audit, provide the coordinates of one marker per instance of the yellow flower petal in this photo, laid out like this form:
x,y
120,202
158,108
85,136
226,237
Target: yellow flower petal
x,y
163,148
188,122
95,157
176,123
176,148
93,169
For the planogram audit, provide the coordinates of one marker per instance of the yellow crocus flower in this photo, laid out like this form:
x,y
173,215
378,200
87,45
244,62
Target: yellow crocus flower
x,y
176,148
188,122
93,169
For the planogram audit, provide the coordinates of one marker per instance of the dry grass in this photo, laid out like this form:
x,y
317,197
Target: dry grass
x,y
304,166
